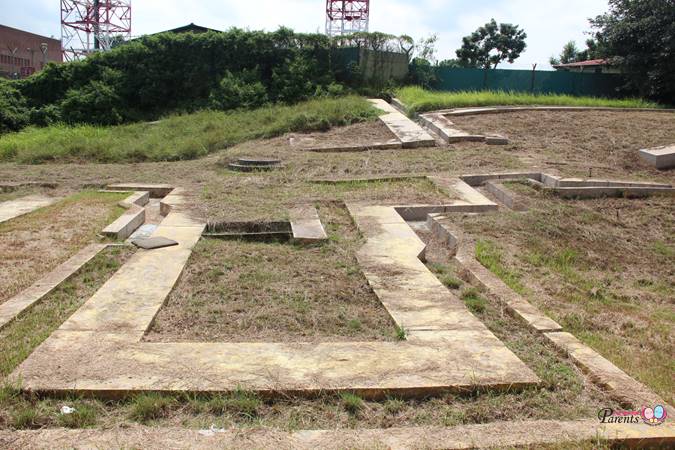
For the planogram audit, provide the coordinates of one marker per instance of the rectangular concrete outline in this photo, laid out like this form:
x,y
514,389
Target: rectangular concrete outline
x,y
408,132
106,339
501,434
506,196
12,209
660,157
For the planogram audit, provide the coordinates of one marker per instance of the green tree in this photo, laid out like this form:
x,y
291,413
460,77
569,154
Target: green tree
x,y
639,37
569,54
491,44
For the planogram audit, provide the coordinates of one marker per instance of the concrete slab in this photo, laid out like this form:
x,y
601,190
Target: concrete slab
x,y
126,224
604,373
501,434
660,157
155,190
13,307
306,225
408,132
392,144
24,205
447,130
153,243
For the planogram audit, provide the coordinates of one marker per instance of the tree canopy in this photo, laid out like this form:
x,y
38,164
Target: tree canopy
x,y
571,53
491,44
639,37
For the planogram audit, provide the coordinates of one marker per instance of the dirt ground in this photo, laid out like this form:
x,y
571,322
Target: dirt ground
x,y
603,268
357,134
560,143
33,244
240,291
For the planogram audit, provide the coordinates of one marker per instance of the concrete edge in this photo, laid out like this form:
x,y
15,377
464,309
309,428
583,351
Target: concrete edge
x,y
24,300
126,224
392,144
523,433
306,225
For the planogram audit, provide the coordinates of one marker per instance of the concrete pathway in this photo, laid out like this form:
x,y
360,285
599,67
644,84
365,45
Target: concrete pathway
x,y
24,205
408,132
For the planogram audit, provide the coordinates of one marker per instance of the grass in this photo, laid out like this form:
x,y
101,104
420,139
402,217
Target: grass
x,y
50,235
179,137
417,99
611,292
20,337
490,256
473,300
238,291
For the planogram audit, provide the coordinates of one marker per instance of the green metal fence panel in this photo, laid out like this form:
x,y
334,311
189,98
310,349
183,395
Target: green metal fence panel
x,y
538,82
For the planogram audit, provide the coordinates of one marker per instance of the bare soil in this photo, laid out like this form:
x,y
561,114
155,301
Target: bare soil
x,y
33,244
275,292
366,133
604,141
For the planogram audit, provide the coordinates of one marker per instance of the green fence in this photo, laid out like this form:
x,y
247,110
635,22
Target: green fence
x,y
540,82
375,66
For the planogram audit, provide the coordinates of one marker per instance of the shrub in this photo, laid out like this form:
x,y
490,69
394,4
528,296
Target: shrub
x,y
234,92
96,103
14,113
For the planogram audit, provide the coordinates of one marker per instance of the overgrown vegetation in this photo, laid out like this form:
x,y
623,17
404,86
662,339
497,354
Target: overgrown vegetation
x,y
178,137
418,99
169,73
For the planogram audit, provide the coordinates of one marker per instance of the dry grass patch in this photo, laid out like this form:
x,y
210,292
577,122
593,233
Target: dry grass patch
x,y
275,292
33,244
607,142
604,269
358,134
21,336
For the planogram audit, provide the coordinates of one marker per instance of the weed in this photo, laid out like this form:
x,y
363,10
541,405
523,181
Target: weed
x,y
355,324
146,407
84,416
451,282
401,333
243,404
490,256
352,403
25,418
474,301
393,406
178,137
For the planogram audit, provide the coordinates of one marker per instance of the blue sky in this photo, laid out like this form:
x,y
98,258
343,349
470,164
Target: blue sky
x,y
548,23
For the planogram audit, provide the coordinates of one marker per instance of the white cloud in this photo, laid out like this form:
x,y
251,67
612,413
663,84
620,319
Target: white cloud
x,y
549,24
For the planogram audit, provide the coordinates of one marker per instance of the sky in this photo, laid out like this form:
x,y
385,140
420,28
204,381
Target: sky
x,y
549,23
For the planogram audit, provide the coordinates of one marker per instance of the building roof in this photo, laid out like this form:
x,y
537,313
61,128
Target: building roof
x,y
191,28
33,35
589,63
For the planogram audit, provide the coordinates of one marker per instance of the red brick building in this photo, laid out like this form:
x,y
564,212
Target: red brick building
x,y
23,53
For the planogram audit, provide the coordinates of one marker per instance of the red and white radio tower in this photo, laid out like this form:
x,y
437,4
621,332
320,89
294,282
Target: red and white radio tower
x,y
93,25
346,16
